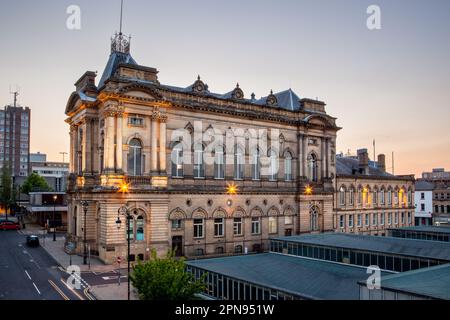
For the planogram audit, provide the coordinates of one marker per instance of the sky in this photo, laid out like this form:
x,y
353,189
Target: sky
x,y
391,85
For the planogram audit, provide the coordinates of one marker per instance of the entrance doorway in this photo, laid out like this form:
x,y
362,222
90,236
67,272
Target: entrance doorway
x,y
177,245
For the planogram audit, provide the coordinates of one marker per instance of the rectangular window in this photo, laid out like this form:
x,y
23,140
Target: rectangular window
x,y
403,218
237,226
382,218
218,227
198,228
367,220
288,220
374,219
256,225
350,221
422,207
396,218
409,218
176,224
342,222
351,197
136,121
422,196
389,218
359,220
389,202
273,225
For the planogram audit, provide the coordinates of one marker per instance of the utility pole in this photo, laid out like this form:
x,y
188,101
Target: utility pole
x,y
63,154
393,168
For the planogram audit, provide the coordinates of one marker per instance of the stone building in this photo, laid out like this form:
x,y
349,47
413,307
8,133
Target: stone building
x,y
368,199
200,172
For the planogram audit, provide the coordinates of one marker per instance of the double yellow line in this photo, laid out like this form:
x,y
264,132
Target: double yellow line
x,y
58,290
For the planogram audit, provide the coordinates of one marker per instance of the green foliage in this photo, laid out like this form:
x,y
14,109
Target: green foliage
x,y
35,182
6,187
165,279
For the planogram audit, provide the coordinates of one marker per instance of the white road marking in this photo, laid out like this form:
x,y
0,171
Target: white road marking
x,y
36,288
28,274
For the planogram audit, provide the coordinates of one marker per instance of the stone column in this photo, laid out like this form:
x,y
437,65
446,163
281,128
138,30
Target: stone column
x,y
327,162
119,143
73,148
87,143
304,155
162,144
323,157
154,146
299,156
109,143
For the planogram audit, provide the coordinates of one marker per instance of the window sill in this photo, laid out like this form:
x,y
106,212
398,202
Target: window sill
x,y
177,177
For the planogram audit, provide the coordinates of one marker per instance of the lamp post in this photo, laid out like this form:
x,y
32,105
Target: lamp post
x,y
124,211
85,206
55,197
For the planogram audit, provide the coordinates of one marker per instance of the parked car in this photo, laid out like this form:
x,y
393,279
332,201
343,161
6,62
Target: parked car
x,y
9,225
33,241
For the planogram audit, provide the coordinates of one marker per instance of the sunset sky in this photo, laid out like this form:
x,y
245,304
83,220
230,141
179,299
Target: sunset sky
x,y
392,85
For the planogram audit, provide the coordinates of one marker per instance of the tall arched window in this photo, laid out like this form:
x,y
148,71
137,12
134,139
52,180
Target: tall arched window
x,y
140,228
219,163
273,165
238,163
314,216
256,165
342,196
135,158
199,165
288,166
312,168
177,161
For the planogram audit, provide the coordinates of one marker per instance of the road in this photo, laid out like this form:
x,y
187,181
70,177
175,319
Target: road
x,y
32,274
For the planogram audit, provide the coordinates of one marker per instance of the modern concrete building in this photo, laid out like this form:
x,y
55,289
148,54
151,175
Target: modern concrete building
x,y
55,173
368,199
423,199
48,209
15,140
200,172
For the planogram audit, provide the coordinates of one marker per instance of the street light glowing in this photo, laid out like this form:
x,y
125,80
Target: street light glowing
x,y
232,189
124,187
308,190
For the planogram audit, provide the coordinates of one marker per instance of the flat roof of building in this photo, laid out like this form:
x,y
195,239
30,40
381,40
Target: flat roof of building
x,y
387,245
431,282
431,229
307,278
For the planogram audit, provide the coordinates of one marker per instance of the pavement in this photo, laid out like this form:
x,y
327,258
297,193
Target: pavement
x,y
100,281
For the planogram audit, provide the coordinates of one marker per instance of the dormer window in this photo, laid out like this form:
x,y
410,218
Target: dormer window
x,y
136,121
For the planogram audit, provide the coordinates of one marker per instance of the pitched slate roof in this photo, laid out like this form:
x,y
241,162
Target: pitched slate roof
x,y
114,60
423,185
287,99
350,166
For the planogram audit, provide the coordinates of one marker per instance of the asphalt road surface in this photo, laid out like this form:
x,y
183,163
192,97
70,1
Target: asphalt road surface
x,y
32,274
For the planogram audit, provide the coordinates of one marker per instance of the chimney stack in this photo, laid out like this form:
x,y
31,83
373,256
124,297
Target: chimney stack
x,y
382,162
363,161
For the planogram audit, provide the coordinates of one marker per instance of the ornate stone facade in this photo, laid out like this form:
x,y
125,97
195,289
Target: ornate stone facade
x,y
126,149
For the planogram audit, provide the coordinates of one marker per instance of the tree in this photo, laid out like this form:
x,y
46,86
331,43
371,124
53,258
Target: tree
x,y
165,279
6,189
35,182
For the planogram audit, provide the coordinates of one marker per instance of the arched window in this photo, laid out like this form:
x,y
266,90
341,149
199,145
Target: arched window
x,y
219,163
140,228
288,166
135,158
238,249
273,165
314,216
256,165
351,196
199,165
238,163
342,196
177,161
312,168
